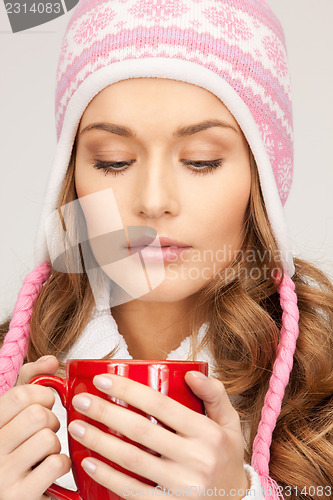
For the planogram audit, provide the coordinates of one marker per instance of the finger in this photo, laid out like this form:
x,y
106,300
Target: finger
x,y
212,392
45,364
136,427
33,450
175,415
128,486
41,478
18,398
128,456
29,421
123,485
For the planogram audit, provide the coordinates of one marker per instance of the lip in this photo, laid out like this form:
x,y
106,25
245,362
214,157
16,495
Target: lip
x,y
164,241
159,254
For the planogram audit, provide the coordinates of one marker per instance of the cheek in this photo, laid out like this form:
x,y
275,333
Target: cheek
x,y
223,219
98,204
82,184
88,180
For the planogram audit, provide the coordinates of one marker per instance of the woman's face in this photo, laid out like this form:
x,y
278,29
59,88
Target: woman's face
x,y
159,182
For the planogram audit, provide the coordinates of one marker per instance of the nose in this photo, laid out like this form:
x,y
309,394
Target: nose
x,y
156,190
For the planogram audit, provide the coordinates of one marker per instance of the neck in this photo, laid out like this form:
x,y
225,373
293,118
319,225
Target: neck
x,y
153,329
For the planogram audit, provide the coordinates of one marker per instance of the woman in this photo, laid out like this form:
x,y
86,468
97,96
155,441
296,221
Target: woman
x,y
128,96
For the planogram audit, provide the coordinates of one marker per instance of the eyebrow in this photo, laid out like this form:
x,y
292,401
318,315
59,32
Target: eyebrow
x,y
179,132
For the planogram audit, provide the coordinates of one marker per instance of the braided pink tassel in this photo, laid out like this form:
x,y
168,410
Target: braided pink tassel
x,y
277,384
15,345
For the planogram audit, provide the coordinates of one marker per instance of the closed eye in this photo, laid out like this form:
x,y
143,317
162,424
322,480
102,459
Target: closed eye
x,y
117,167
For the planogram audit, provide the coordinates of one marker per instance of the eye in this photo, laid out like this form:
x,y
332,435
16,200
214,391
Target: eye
x,y
204,166
109,166
201,167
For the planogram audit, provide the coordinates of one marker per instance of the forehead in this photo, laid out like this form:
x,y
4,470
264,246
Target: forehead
x,y
154,100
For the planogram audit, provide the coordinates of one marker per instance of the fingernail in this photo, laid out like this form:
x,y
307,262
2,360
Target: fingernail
x,y
76,429
198,375
43,358
102,382
81,402
88,465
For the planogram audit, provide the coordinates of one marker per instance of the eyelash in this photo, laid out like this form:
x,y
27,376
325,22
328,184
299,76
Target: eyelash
x,y
108,165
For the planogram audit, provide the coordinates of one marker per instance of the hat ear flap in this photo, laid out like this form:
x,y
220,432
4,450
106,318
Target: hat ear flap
x,y
15,345
279,379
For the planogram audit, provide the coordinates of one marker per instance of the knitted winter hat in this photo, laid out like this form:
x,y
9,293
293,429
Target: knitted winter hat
x,y
234,49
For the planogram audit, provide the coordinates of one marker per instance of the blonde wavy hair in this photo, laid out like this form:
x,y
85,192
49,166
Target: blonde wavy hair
x,y
245,318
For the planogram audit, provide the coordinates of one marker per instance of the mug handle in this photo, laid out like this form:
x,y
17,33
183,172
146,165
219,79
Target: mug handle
x,y
60,385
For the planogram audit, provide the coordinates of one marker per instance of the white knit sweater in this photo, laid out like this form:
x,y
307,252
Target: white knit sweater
x,y
99,337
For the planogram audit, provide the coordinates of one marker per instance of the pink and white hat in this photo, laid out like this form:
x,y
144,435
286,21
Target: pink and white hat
x,y
233,48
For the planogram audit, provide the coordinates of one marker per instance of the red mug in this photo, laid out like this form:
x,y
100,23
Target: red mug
x,y
164,376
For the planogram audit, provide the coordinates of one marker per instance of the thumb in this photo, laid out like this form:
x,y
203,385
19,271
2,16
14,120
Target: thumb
x,y
213,394
43,365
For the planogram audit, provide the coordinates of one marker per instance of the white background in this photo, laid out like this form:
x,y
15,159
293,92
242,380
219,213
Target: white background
x,y
28,138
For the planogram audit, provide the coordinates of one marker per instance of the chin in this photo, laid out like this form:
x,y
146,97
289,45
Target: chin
x,y
171,291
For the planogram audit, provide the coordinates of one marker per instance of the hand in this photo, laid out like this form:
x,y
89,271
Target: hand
x,y
206,451
27,436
